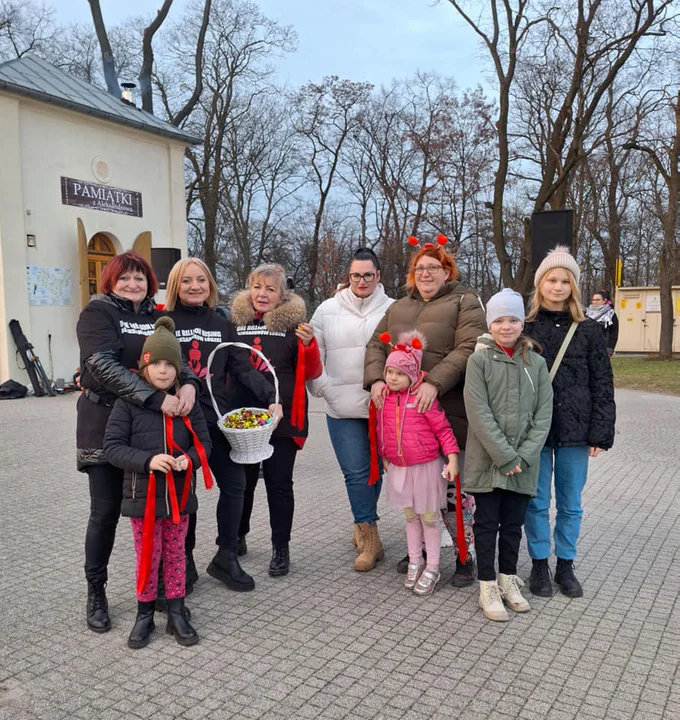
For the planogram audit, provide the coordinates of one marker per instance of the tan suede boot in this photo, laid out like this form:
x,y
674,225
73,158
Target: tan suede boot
x,y
358,539
373,549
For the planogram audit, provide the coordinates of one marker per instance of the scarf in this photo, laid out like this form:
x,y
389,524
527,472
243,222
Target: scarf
x,y
603,314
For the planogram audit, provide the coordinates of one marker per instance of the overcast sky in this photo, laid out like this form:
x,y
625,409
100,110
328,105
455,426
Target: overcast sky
x,y
372,40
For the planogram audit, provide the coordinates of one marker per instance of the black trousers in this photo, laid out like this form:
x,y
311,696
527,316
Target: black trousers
x,y
499,513
278,479
106,494
231,480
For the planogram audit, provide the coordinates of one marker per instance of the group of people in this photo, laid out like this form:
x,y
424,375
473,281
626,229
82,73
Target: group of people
x,y
427,390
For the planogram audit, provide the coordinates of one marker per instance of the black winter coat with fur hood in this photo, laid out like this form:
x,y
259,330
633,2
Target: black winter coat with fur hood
x,y
584,412
274,336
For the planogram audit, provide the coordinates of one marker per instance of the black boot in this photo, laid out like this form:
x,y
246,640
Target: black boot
x,y
280,562
178,623
226,568
144,625
97,611
539,580
465,573
191,572
565,578
241,547
402,565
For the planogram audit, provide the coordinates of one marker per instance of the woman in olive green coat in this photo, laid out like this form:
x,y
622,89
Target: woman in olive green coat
x,y
508,401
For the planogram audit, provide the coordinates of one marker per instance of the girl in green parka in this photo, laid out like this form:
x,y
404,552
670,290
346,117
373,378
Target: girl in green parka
x,y
508,401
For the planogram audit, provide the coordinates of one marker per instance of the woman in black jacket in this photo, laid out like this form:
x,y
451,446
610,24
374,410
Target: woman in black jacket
x,y
191,298
583,418
271,318
111,331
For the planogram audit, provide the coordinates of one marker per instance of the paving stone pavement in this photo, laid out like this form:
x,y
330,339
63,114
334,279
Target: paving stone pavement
x,y
328,642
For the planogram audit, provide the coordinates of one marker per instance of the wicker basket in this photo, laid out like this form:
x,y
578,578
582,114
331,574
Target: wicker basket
x,y
250,445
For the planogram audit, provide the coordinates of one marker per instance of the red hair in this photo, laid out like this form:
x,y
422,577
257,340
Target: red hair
x,y
436,253
128,262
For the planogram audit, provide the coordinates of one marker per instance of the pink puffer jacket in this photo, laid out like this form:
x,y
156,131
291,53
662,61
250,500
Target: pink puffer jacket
x,y
407,437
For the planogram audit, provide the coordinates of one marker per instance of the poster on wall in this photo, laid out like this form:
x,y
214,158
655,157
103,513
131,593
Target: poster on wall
x,y
82,193
49,285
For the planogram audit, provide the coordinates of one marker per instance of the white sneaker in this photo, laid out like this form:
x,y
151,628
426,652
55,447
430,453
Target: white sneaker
x,y
510,585
413,573
490,601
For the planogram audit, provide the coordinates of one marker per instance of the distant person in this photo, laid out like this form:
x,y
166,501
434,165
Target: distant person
x,y
451,318
342,326
602,311
508,400
411,444
583,420
159,455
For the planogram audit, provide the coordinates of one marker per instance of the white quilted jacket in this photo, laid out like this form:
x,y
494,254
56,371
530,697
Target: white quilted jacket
x,y
343,325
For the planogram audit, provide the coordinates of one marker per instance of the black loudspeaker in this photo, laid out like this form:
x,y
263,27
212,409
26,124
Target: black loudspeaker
x,y
162,261
549,229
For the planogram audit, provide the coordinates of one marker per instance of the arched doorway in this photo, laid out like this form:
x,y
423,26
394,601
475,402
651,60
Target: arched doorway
x,y
100,250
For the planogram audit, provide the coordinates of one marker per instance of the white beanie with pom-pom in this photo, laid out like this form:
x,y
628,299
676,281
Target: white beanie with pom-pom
x,y
558,257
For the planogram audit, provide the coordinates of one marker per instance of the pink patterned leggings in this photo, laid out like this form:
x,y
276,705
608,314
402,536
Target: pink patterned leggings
x,y
168,542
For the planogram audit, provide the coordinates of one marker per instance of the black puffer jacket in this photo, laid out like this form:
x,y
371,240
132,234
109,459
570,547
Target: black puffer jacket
x,y
584,412
111,336
133,436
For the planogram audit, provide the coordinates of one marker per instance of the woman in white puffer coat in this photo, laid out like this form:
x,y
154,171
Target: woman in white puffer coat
x,y
343,325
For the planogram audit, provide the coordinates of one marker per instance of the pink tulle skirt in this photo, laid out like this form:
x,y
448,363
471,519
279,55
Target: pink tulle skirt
x,y
420,487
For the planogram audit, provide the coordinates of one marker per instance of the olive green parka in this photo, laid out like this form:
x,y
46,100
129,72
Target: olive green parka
x,y
509,405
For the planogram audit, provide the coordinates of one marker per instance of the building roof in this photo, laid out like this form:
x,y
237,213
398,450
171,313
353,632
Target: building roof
x,y
34,77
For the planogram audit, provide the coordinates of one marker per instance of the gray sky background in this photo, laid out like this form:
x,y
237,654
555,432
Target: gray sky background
x,y
372,40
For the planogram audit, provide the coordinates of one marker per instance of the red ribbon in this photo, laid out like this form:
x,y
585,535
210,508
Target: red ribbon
x,y
460,529
374,470
297,416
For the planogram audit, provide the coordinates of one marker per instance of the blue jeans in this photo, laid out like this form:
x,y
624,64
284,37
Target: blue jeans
x,y
571,471
352,449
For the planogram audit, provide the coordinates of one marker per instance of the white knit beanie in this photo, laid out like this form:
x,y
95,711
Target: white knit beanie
x,y
558,257
506,303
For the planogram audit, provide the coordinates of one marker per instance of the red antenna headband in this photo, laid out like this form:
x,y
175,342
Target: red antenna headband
x,y
441,241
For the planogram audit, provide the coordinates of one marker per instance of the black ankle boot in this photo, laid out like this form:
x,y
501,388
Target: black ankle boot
x,y
97,611
465,573
280,562
225,567
241,546
144,625
565,578
539,580
178,623
402,565
191,573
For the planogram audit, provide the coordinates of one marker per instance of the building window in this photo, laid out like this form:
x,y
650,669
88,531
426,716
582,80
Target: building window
x,y
100,250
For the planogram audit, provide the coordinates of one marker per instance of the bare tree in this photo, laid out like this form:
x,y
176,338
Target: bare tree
x,y
25,26
325,116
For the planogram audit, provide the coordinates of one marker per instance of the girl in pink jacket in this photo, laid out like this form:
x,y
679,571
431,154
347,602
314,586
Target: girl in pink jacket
x,y
411,445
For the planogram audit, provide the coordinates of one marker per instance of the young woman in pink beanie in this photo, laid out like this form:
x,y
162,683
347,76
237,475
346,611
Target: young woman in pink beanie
x,y
411,445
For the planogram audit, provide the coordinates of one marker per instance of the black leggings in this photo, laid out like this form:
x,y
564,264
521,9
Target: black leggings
x,y
278,479
106,494
499,513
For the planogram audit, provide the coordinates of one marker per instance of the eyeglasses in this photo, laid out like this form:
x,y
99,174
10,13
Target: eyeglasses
x,y
366,277
429,269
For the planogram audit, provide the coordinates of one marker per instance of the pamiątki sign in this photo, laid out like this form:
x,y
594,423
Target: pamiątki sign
x,y
100,197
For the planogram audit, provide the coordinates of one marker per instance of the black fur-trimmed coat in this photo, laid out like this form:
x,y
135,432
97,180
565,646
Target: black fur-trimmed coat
x,y
584,412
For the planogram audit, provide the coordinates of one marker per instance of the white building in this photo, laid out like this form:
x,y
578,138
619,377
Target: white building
x,y
83,176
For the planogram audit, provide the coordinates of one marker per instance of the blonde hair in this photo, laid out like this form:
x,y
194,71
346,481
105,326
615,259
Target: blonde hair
x,y
175,281
270,270
574,301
